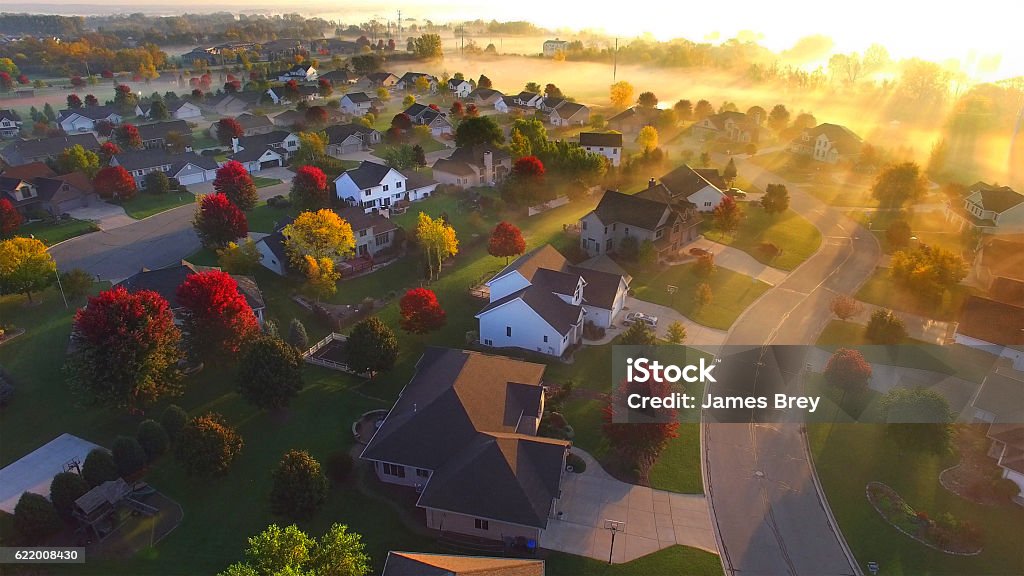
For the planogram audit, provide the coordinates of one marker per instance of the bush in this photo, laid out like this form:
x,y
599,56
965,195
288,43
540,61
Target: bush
x,y
174,420
769,249
629,248
297,336
579,465
35,518
6,393
208,446
157,183
99,467
339,467
592,331
279,202
65,489
129,457
153,438
300,487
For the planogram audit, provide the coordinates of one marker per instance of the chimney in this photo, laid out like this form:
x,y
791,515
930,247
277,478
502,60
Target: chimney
x,y
488,163
652,183
234,145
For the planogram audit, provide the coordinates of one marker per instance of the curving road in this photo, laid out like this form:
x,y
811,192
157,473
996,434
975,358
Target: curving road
x,y
768,512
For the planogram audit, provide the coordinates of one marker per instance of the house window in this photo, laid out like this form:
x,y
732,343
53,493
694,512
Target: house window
x,y
488,342
482,524
362,233
366,192
627,230
545,338
508,331
602,148
385,187
707,204
659,234
382,239
394,470
584,225
422,473
398,184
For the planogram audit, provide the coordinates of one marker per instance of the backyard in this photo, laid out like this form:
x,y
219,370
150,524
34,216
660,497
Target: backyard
x,y
732,293
51,233
795,238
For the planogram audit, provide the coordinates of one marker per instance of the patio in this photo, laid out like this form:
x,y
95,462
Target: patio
x,y
654,519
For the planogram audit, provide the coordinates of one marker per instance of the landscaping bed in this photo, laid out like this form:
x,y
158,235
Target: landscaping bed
x,y
976,477
946,533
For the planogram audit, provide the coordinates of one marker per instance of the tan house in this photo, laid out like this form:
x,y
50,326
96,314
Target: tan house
x,y
647,216
481,165
990,209
732,126
829,143
463,435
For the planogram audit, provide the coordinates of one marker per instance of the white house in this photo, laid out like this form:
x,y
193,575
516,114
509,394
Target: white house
x,y
528,99
552,47
999,402
372,185
540,302
85,119
829,143
10,124
607,144
459,88
300,72
569,114
703,188
178,110
256,158
990,209
436,120
356,103
187,168
285,143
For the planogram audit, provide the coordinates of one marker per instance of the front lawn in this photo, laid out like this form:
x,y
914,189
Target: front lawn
x,y
428,144
732,292
882,291
929,227
51,233
262,182
264,218
848,456
790,232
144,204
671,560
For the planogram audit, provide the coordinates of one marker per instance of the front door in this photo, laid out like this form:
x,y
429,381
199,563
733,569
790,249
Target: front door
x,y
364,249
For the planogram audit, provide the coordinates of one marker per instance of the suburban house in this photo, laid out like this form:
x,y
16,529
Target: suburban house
x,y
187,167
10,124
178,109
289,119
552,47
408,81
463,435
646,217
283,142
46,191
256,157
372,185
253,124
84,119
299,72
437,121
999,402
339,77
528,99
485,98
382,79
733,126
540,302
989,209
356,103
306,93
569,114
348,138
25,151
607,144
165,282
1000,256
420,564
374,233
548,104
830,143
481,165
232,104
155,135
701,187
633,119
459,88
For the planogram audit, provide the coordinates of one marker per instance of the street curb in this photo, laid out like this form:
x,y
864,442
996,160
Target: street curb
x,y
828,507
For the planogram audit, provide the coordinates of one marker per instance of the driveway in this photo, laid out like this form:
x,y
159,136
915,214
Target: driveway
x,y
739,261
107,216
697,335
654,519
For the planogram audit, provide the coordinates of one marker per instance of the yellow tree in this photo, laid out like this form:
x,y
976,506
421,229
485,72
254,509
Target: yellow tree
x,y
321,234
438,240
648,138
621,94
321,277
422,84
25,266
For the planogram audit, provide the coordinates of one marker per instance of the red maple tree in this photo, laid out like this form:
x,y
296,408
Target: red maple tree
x,y
457,109
847,369
228,128
10,219
309,188
74,101
109,149
114,183
5,81
316,115
421,312
91,100
218,221
325,87
529,168
218,320
472,111
506,240
234,181
402,121
127,136
126,348
639,435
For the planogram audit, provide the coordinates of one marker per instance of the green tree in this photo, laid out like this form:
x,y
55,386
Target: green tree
x,y
778,118
153,438
647,100
898,184
297,335
898,234
428,46
270,373
729,172
648,138
99,467
25,266
638,334
76,283
158,110
371,347
35,518
174,419
775,199
241,258
918,419
676,332
928,271
885,327
65,488
157,183
479,130
289,551
78,159
129,457
208,446
300,487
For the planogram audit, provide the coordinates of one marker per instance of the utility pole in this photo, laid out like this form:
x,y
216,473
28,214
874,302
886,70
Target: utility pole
x,y
615,61
399,24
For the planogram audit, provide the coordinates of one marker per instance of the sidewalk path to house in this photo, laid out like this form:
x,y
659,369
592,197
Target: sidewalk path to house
x,y
739,261
654,519
697,335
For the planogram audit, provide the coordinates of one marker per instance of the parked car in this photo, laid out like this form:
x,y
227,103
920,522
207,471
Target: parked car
x,y
736,193
634,317
699,252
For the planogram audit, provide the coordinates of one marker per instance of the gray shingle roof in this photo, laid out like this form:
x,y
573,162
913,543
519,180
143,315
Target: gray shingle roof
x,y
608,139
52,146
631,209
368,174
684,181
162,129
91,112
165,282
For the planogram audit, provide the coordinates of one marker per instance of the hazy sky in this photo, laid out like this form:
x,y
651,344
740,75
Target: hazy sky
x,y
979,33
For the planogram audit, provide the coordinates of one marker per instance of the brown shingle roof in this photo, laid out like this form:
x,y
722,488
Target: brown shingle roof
x,y
992,321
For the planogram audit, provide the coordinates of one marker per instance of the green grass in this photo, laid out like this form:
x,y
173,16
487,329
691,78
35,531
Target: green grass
x,y
144,204
263,218
51,233
732,293
793,234
262,182
882,291
848,456
929,227
201,140
672,560
955,359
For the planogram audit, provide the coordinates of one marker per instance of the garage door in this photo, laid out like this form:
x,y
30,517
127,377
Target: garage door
x,y
186,179
269,164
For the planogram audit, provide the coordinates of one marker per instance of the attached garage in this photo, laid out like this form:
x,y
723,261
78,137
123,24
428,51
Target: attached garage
x,y
192,174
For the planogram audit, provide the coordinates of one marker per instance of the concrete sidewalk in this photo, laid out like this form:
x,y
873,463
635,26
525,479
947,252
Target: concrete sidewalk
x,y
653,519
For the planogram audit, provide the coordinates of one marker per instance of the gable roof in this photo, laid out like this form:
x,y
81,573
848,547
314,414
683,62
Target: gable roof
x,y
357,97
685,181
160,130
457,167
249,121
475,154
1007,290
632,209
992,321
460,416
91,112
338,76
609,139
566,110
360,220
526,96
484,93
29,171
367,174
52,146
141,159
454,84
1002,395
527,265
265,139
338,133
842,138
165,282
252,153
6,114
997,198
420,564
